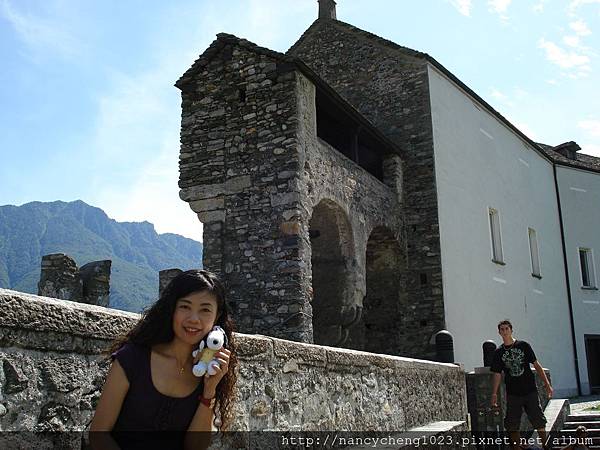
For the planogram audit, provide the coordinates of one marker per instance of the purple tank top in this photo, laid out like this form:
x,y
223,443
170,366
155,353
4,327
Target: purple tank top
x,y
144,408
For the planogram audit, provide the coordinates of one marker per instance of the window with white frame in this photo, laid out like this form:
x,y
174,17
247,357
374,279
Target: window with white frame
x,y
586,263
495,235
535,253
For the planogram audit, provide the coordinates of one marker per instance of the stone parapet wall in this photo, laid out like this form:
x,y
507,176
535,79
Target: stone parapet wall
x,y
52,370
484,417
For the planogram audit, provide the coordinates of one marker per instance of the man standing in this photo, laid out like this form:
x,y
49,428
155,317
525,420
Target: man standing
x,y
513,358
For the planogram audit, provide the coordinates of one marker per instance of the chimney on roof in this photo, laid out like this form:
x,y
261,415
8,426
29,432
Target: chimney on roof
x,y
568,150
327,9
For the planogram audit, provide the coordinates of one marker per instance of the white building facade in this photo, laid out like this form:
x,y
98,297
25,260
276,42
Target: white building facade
x,y
580,203
500,234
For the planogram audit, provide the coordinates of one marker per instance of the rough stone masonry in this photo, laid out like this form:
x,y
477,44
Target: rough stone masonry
x,y
304,224
60,278
52,368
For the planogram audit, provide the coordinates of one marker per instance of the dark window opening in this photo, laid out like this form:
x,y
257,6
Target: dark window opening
x,y
423,277
423,323
346,135
592,353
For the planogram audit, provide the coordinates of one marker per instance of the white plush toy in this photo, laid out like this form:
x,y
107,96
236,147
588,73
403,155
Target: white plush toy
x,y
204,360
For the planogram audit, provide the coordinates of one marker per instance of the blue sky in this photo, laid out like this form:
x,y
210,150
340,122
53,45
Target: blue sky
x,y
88,109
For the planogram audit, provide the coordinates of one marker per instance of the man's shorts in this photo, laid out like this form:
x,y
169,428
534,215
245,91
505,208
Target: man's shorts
x,y
515,404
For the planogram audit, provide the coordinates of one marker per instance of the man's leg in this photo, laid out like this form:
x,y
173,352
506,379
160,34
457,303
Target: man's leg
x,y
512,420
536,416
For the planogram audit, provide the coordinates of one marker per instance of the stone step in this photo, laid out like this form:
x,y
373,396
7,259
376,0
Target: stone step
x,y
573,425
583,418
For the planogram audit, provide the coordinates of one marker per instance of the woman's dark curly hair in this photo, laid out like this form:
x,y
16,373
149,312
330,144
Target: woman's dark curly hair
x,y
155,327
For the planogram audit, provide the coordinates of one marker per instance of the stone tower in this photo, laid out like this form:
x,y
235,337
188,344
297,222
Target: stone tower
x,y
300,198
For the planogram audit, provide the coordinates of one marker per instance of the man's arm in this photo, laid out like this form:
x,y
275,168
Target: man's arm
x,y
495,385
540,371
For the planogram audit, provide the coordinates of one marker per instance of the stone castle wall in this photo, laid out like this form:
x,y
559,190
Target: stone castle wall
x,y
239,170
344,206
390,88
52,370
310,244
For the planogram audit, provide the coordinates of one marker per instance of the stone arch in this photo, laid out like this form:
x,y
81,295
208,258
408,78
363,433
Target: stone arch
x,y
385,301
332,249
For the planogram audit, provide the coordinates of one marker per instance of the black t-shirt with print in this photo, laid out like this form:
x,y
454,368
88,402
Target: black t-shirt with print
x,y
514,362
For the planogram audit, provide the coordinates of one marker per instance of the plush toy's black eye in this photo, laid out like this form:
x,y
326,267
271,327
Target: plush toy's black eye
x,y
215,342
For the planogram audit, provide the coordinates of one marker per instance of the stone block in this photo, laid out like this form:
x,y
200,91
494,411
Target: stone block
x,y
290,228
212,216
209,204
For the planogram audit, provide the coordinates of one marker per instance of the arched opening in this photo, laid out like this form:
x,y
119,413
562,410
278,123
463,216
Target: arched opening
x,y
332,248
384,304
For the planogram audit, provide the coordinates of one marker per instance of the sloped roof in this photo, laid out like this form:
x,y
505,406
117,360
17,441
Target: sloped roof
x,y
224,39
385,42
583,161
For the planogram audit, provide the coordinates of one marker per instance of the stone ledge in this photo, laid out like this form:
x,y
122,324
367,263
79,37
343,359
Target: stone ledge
x,y
231,186
51,353
29,312
31,321
556,412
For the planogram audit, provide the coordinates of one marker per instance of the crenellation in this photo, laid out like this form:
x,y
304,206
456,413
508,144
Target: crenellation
x,y
60,278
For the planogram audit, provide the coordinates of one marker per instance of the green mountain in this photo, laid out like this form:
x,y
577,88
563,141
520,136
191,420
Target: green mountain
x,y
87,234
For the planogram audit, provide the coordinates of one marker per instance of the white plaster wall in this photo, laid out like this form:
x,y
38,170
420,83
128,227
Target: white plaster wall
x,y
480,163
580,203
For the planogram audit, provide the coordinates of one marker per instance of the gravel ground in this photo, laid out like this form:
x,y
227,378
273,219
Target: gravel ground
x,y
580,404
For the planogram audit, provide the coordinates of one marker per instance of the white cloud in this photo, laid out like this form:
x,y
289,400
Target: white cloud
x,y
576,64
575,4
462,6
499,6
591,126
580,28
154,196
526,130
539,7
571,41
137,141
40,34
501,98
591,149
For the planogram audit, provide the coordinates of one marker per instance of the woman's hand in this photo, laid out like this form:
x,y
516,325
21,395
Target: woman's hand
x,y
211,381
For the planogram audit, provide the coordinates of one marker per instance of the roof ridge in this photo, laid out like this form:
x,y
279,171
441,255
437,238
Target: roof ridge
x,y
303,36
583,161
221,41
368,34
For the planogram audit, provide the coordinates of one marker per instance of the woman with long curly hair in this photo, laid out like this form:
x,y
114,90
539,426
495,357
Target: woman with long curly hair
x,y
150,385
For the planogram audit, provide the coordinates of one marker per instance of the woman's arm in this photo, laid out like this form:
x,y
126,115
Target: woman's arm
x,y
198,436
108,409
